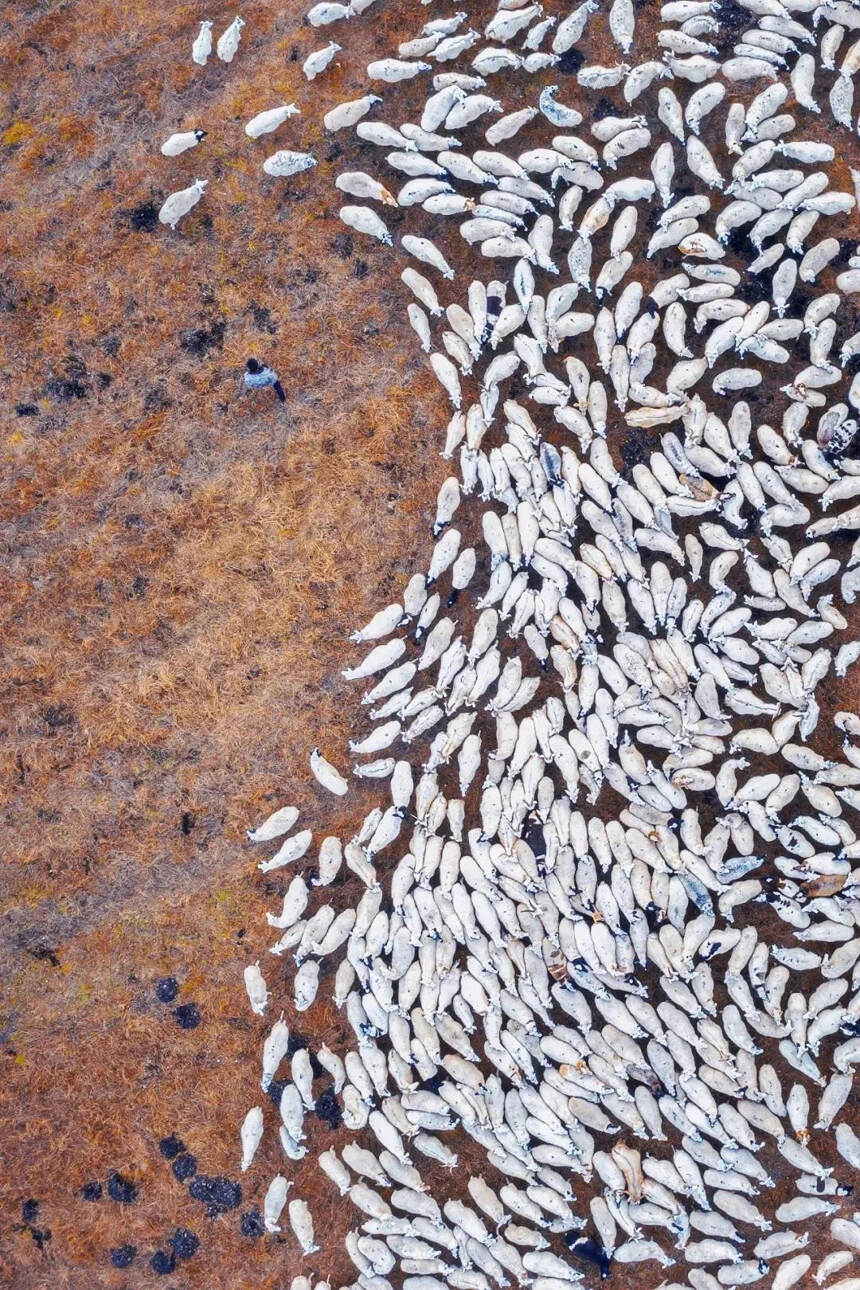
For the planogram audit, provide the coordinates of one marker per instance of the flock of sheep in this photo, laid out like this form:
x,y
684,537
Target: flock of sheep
x,y
608,921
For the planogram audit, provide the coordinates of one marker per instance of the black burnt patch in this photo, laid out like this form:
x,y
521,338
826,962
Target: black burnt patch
x,y
275,1090
185,1243
166,989
184,1166
171,1146
122,1189
732,20
66,388
843,255
328,1109
219,1195
754,287
187,1016
199,341
570,63
252,1224
163,1263
142,218
603,108
634,450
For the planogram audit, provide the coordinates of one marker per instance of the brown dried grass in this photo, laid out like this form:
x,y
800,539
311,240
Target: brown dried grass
x,y
182,566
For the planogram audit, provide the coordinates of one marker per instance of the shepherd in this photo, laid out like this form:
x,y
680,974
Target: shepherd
x,y
258,376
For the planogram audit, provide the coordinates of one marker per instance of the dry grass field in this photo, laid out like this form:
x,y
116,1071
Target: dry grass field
x,y
180,567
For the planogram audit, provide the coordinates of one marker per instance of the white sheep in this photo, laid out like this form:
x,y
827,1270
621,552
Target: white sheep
x,y
181,202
